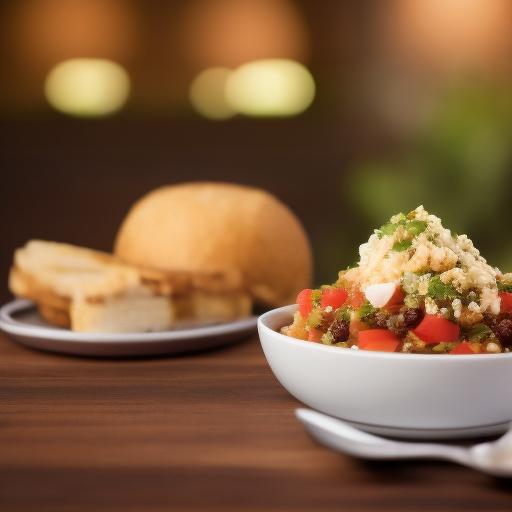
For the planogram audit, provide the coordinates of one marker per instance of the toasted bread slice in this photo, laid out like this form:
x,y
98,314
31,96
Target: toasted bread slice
x,y
91,291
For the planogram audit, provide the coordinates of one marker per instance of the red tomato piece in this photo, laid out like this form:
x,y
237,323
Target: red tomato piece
x,y
378,340
436,329
314,335
506,301
396,301
334,297
462,348
304,302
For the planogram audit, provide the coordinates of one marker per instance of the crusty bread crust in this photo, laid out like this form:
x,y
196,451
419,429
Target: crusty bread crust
x,y
241,232
91,291
55,315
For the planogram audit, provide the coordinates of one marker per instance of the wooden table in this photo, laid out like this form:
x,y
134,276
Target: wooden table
x,y
212,430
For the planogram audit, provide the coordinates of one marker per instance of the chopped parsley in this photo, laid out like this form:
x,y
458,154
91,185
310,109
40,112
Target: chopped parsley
x,y
402,246
444,347
387,229
415,227
504,287
480,332
438,290
343,314
366,310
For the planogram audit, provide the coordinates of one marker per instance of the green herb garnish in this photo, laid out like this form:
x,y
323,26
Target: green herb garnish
x,y
343,314
438,290
444,347
412,226
480,332
402,246
387,229
504,287
366,310
415,227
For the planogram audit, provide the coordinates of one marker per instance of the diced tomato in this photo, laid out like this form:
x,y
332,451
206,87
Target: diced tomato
x,y
378,340
396,301
462,348
304,302
436,329
334,297
506,302
314,335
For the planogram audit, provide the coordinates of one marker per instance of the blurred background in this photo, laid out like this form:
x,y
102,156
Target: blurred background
x,y
347,111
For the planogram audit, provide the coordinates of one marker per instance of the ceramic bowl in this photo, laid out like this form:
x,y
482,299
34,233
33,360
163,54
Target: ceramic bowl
x,y
390,392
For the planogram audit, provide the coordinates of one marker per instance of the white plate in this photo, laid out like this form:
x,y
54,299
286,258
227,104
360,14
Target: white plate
x,y
21,321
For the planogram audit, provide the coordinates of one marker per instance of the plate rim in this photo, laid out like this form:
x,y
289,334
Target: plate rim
x,y
12,326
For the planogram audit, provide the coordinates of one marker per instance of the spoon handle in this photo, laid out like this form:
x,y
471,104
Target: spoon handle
x,y
493,458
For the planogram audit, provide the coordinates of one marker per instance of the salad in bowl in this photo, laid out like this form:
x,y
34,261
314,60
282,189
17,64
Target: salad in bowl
x,y
418,288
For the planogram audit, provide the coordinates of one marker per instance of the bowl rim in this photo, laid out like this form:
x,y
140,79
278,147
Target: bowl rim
x,y
308,345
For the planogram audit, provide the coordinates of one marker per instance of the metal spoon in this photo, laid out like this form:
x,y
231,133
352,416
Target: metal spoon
x,y
493,458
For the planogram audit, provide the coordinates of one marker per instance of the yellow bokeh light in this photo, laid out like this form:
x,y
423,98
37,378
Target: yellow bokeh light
x,y
87,87
208,94
271,87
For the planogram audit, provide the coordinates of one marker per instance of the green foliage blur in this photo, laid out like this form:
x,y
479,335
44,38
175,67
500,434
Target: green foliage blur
x,y
458,166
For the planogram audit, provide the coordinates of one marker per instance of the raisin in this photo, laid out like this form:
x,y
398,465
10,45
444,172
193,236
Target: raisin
x,y
503,331
340,332
413,316
396,324
380,320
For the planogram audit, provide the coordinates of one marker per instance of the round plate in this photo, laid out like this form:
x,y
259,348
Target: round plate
x,y
21,321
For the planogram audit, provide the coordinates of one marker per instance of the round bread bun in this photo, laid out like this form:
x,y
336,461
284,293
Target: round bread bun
x,y
220,227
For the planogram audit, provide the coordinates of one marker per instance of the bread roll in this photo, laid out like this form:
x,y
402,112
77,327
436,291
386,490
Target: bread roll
x,y
241,231
91,291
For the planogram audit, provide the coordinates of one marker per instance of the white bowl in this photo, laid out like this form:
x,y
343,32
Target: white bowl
x,y
415,395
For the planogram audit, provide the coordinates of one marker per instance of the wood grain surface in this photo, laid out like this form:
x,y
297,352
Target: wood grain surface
x,y
206,431
212,430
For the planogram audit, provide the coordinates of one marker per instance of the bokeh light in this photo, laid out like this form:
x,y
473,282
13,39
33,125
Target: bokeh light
x,y
271,87
87,87
208,94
